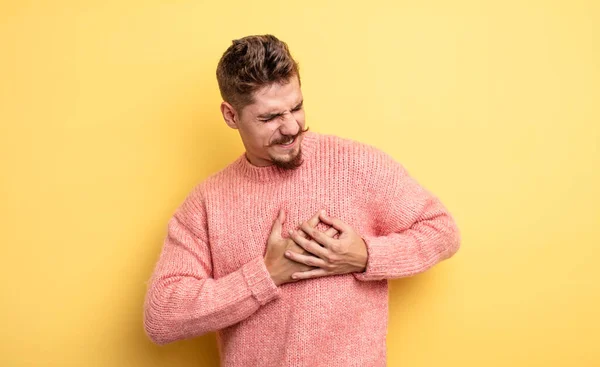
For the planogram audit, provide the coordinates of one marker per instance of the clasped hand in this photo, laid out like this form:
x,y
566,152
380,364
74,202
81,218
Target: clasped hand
x,y
329,256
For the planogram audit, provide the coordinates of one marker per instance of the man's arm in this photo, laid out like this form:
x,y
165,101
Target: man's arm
x,y
415,230
183,300
411,229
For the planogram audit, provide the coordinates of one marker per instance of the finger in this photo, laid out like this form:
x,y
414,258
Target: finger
x,y
277,224
313,221
315,273
334,222
330,232
306,259
318,236
309,245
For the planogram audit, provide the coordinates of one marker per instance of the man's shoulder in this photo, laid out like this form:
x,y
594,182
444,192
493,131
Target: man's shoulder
x,y
213,181
222,177
354,149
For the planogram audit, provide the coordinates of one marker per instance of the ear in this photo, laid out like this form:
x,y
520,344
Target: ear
x,y
229,115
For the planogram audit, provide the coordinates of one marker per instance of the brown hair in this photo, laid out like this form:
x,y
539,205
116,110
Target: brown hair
x,y
251,63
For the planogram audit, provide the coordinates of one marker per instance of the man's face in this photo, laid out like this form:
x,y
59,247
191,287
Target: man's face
x,y
275,117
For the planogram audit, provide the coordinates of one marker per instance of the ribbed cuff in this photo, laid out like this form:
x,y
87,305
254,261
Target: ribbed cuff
x,y
376,269
259,281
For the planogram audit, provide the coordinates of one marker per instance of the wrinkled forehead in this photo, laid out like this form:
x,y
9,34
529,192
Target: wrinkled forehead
x,y
275,98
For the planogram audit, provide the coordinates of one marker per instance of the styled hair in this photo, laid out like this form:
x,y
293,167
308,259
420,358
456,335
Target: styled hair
x,y
251,63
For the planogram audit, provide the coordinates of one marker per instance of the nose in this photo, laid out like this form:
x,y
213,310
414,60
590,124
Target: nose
x,y
289,126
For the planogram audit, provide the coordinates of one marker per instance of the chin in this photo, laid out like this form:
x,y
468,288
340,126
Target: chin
x,y
290,164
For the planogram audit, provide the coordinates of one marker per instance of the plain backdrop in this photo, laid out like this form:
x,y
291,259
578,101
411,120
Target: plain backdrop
x,y
109,115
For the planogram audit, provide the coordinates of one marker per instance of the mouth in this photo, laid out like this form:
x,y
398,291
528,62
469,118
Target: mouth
x,y
288,143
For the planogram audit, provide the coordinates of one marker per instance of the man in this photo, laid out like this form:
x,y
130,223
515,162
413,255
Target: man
x,y
286,252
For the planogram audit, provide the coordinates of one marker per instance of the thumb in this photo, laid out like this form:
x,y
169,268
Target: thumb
x,y
277,224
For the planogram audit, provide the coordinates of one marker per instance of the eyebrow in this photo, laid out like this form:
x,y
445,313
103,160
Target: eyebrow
x,y
269,115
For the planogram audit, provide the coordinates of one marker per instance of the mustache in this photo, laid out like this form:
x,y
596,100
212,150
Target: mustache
x,y
286,138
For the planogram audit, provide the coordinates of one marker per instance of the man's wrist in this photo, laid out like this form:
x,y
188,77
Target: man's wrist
x,y
271,272
363,257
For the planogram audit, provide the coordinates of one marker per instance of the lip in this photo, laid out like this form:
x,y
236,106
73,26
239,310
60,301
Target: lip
x,y
289,145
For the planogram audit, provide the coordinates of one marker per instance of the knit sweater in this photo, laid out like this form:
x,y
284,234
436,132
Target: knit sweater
x,y
211,274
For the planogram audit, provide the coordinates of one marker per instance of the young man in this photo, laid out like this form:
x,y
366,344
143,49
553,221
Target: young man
x,y
286,252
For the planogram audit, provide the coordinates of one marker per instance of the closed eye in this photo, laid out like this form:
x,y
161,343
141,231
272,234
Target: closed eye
x,y
298,107
268,119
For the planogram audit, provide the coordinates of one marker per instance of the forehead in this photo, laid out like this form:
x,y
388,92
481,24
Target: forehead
x,y
275,98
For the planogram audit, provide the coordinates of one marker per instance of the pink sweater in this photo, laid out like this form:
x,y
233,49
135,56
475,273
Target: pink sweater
x,y
211,275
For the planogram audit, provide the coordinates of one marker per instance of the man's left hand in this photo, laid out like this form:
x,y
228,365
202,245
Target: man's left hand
x,y
347,254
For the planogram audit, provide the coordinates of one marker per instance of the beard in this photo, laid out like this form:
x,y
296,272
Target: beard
x,y
292,164
296,161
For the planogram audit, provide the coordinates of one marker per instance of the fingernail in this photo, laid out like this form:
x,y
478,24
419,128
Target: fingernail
x,y
291,232
294,276
288,253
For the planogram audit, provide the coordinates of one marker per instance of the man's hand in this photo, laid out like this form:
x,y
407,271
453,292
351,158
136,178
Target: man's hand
x,y
347,254
277,264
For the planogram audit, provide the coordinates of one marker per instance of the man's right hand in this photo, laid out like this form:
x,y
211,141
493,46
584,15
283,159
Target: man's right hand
x,y
280,267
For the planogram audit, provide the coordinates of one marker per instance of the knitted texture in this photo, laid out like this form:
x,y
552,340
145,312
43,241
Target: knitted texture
x,y
211,275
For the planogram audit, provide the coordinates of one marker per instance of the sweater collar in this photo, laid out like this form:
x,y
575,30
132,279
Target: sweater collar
x,y
272,172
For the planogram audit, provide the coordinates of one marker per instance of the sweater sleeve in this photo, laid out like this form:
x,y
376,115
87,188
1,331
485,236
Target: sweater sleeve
x,y
413,229
182,299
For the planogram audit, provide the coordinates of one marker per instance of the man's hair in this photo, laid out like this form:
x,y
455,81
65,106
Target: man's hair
x,y
251,63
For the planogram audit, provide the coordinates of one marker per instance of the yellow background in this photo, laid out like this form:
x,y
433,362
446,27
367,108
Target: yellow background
x,y
109,115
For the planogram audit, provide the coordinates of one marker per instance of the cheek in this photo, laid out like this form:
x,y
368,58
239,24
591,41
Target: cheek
x,y
257,133
266,135
299,116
